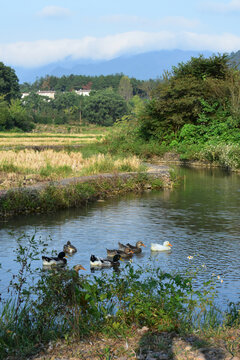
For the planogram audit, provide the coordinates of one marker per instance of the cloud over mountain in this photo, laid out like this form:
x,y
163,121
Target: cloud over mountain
x,y
40,52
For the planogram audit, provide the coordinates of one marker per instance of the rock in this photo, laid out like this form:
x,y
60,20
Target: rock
x,y
157,355
200,357
143,330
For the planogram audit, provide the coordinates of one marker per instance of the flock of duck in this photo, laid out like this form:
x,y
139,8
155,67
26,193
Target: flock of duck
x,y
113,256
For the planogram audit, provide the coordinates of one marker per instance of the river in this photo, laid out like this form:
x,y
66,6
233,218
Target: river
x,y
200,218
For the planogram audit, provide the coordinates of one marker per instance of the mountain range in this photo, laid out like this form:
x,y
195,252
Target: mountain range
x,y
149,65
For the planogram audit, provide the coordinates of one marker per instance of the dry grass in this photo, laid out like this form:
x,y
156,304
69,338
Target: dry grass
x,y
12,140
25,167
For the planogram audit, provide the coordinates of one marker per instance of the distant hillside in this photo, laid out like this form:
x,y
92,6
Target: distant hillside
x,y
235,58
150,65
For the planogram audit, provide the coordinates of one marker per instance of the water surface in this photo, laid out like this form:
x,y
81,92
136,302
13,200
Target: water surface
x,y
200,218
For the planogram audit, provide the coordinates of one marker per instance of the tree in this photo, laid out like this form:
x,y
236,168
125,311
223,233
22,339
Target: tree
x,y
5,118
19,116
104,107
125,88
215,66
66,100
9,86
178,99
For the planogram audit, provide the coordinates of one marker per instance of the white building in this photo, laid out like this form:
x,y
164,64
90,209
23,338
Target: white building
x,y
83,92
48,93
51,94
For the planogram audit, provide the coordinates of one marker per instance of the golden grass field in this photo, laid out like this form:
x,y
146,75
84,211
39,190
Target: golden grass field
x,y
12,140
21,166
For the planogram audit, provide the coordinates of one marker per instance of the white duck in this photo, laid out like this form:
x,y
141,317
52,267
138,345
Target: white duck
x,y
166,246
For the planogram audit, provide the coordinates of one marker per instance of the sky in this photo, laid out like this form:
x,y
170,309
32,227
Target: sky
x,y
35,33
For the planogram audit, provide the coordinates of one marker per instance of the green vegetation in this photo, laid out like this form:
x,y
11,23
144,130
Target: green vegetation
x,y
9,86
76,82
64,304
104,108
54,197
195,112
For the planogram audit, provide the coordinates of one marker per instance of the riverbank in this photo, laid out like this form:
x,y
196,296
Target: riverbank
x,y
79,191
147,345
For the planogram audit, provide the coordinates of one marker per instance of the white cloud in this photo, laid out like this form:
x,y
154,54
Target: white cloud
x,y
222,8
32,54
54,12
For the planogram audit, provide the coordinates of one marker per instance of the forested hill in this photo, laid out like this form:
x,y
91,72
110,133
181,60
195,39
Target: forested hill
x,y
150,65
75,82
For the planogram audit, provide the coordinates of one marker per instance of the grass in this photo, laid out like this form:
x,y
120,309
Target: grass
x,y
54,197
54,165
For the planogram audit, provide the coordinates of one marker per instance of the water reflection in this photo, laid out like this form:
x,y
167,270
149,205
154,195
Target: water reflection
x,y
200,218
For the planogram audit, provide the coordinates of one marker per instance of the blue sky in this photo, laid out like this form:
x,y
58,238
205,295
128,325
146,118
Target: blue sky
x,y
35,33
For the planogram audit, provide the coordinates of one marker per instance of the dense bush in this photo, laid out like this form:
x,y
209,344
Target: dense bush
x,y
104,108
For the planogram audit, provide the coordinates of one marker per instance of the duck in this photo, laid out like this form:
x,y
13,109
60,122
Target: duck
x,y
78,267
55,261
69,248
125,254
135,248
166,246
96,261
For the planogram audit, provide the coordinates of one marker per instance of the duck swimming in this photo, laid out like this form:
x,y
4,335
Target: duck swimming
x,y
55,261
135,248
166,246
125,254
78,267
69,248
96,261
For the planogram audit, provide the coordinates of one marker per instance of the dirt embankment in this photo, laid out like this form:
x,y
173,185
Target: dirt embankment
x,y
158,171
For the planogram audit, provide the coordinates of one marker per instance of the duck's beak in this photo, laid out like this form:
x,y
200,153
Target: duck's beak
x,y
169,245
82,268
143,245
66,256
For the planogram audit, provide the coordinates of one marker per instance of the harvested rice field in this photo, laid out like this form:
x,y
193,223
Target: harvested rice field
x,y
26,167
16,140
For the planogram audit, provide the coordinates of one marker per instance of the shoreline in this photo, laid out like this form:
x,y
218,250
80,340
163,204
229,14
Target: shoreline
x,y
78,191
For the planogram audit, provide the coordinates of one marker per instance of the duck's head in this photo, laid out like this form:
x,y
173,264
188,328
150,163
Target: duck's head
x,y
167,243
61,255
140,243
93,258
78,267
116,258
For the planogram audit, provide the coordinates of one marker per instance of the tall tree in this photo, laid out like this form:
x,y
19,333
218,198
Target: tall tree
x,y
9,85
125,88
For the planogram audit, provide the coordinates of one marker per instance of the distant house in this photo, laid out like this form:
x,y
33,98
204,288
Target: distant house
x,y
83,92
51,94
48,93
25,94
